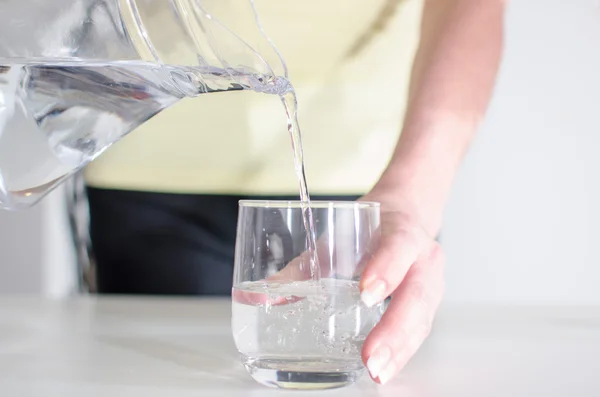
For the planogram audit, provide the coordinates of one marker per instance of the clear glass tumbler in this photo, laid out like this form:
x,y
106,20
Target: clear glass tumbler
x,y
296,328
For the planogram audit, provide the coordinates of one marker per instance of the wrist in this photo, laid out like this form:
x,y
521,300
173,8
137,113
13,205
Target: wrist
x,y
418,207
419,188
420,175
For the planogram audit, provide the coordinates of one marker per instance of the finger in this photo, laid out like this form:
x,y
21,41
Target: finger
x,y
261,298
341,248
298,269
407,321
397,251
336,255
301,267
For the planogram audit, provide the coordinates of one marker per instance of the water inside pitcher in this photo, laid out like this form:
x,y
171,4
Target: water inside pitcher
x,y
78,75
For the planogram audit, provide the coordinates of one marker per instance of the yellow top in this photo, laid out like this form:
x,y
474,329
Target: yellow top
x,y
350,112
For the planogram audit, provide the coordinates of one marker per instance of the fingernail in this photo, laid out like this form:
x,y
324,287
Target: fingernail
x,y
373,293
387,373
378,360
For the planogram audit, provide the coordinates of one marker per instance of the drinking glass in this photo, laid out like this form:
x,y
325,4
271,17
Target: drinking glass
x,y
297,327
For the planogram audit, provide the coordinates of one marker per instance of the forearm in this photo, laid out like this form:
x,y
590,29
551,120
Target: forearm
x,y
453,77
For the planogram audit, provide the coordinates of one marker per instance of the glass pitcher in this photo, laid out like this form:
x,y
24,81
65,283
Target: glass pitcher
x,y
78,75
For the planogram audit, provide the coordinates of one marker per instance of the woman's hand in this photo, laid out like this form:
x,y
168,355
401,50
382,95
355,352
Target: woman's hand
x,y
408,265
453,77
405,262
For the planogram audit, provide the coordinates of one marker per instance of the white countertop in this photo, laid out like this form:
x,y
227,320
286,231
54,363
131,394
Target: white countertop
x,y
88,347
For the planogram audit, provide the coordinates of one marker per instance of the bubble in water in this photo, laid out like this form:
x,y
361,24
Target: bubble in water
x,y
326,326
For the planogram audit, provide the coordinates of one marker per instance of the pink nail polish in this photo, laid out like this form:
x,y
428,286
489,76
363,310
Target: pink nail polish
x,y
374,293
378,360
387,373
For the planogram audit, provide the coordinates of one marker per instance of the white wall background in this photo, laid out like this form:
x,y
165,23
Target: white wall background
x,y
36,254
521,224
523,220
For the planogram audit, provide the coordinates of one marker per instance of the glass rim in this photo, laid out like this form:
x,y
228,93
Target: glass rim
x,y
314,204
